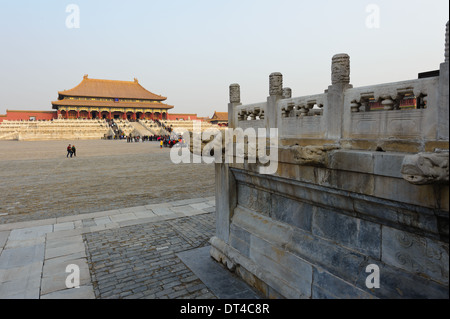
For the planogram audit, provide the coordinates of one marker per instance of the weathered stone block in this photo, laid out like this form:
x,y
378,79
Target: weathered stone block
x,y
354,161
402,191
351,232
254,199
22,256
283,265
240,239
388,164
337,260
292,212
261,225
327,286
350,181
398,284
253,281
416,254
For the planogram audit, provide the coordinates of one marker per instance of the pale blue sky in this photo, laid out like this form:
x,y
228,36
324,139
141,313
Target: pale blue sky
x,y
191,50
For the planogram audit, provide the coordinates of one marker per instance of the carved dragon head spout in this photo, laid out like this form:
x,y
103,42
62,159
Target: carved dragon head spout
x,y
426,168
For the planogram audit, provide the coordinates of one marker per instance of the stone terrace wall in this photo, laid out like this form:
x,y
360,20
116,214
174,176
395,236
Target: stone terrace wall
x,y
52,130
353,188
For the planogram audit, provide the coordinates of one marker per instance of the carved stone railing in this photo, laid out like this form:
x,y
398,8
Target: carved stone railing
x,y
342,114
392,122
390,94
302,116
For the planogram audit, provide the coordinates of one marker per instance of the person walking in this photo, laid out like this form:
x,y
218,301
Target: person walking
x,y
69,151
161,143
74,151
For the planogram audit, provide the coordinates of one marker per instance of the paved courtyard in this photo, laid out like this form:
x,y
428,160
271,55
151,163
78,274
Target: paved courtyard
x,y
133,224
37,181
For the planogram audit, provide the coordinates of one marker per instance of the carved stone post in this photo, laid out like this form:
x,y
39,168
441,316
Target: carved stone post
x,y
235,100
276,93
340,79
276,84
340,69
235,93
287,93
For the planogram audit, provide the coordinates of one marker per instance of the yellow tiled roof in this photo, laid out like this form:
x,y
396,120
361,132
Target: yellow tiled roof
x,y
112,89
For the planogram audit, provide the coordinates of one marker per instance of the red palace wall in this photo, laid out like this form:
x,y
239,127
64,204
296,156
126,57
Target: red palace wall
x,y
49,115
27,115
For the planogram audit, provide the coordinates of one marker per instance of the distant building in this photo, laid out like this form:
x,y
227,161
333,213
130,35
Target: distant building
x,y
220,118
110,99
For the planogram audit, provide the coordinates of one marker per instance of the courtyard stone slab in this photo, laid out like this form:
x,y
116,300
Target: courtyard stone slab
x,y
161,211
24,243
102,220
64,241
27,224
84,292
22,256
187,210
65,260
65,233
55,275
101,227
200,205
219,280
145,214
64,226
151,207
189,201
25,288
3,238
133,209
64,250
30,233
21,273
123,217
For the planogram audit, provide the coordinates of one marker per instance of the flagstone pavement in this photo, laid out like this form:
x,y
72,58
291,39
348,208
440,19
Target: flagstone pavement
x,y
138,252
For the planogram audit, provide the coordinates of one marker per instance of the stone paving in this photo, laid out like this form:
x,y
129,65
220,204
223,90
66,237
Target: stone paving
x,y
135,224
37,181
124,253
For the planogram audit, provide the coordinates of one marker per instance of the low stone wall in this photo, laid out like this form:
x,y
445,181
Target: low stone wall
x,y
314,234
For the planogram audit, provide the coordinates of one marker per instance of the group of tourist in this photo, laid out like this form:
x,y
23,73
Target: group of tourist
x,y
71,151
170,142
145,138
163,140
